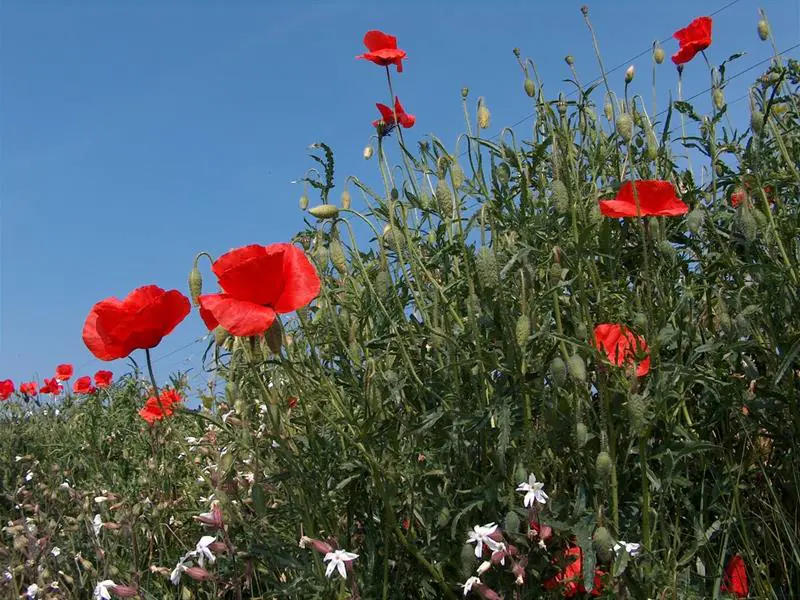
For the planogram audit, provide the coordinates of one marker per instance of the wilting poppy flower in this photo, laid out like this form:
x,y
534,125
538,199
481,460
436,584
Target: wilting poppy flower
x,y
156,409
6,389
621,346
387,116
258,282
64,372
693,38
83,385
29,389
735,579
656,199
102,379
115,328
572,576
383,50
51,386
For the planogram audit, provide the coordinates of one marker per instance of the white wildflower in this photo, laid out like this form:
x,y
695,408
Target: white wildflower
x,y
56,551
534,491
481,536
202,551
484,566
97,524
337,559
630,548
469,583
33,591
101,591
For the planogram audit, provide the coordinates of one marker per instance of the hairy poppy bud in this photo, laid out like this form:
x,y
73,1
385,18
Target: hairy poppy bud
x,y
457,173
325,211
560,196
694,220
486,267
602,466
220,335
636,412
569,60
321,256
658,55
368,152
558,371
601,539
763,30
554,276
195,285
530,87
757,122
581,434
503,173
346,200
625,126
338,257
444,198
747,223
464,92
629,73
585,10
719,98
483,115
576,368
608,111
274,336
303,202
523,330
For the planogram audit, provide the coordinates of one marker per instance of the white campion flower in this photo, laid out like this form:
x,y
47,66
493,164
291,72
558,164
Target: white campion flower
x,y
100,499
484,566
480,534
65,485
28,475
469,583
202,552
32,591
56,551
97,524
101,591
629,547
534,491
175,576
337,559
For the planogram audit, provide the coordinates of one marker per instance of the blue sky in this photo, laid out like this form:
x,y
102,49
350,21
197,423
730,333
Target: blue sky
x,y
137,133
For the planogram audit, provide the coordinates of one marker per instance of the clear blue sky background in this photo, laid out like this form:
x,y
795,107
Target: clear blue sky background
x,y
137,133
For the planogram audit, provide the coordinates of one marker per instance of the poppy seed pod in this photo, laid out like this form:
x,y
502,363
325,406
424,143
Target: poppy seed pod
x,y
625,126
530,87
325,211
486,268
658,55
523,330
602,466
763,30
195,285
464,92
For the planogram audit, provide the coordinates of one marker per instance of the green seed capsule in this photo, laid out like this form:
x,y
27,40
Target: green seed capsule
x,y
558,371
576,368
325,211
658,55
530,87
523,330
603,466
625,126
719,98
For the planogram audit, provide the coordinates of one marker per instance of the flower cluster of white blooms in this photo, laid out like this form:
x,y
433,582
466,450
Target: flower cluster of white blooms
x,y
201,553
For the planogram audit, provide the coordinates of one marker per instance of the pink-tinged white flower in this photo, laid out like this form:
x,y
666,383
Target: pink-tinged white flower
x,y
629,547
175,576
97,524
480,536
534,491
337,559
213,518
56,551
467,585
484,566
202,551
102,591
32,591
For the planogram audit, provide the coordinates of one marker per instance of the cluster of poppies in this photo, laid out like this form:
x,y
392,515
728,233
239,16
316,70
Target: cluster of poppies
x,y
54,385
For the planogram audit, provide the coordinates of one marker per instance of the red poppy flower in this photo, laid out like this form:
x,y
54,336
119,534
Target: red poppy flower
x,y
292,401
29,389
693,38
51,386
387,116
735,579
64,372
115,328
83,385
621,346
155,409
572,576
656,198
258,282
102,379
383,50
743,194
6,389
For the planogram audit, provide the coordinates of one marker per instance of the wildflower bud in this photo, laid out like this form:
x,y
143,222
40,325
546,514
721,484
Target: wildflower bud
x,y
321,255
561,105
523,330
576,368
486,268
457,173
585,10
444,198
554,276
719,98
747,223
220,335
483,116
464,92
512,522
516,52
274,337
636,412
392,238
629,73
581,435
503,173
608,111
558,371
198,573
303,202
338,257
530,87
368,152
757,122
694,220
603,466
658,55
325,211
218,547
763,30
124,591
625,126
569,60
195,284
602,540
346,200
483,567
560,196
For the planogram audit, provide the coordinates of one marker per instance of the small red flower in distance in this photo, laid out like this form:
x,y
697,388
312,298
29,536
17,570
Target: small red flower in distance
x,y
387,116
292,401
572,576
693,38
115,328
656,198
29,389
155,409
735,579
64,372
51,386
102,379
83,385
383,50
743,194
258,282
621,346
6,389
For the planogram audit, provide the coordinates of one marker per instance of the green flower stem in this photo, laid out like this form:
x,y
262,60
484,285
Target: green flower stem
x,y
645,492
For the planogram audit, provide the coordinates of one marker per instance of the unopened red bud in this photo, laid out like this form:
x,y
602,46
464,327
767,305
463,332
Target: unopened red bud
x,y
198,573
218,547
124,591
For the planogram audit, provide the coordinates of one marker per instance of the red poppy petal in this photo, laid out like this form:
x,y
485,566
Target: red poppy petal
x,y
301,283
386,113
252,273
210,322
239,317
617,209
377,40
97,338
153,314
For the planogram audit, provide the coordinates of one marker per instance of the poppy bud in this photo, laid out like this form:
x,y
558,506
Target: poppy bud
x,y
747,223
576,368
368,152
320,255
719,98
603,466
195,284
530,87
569,60
585,10
636,412
558,371
512,522
523,330
392,238
457,173
658,55
763,30
444,199
602,540
486,267
581,434
694,220
608,111
757,122
629,73
325,211
220,335
187,593
464,92
503,173
274,337
303,202
346,200
483,115
560,196
554,276
625,126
